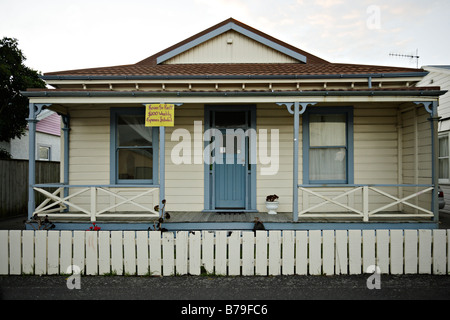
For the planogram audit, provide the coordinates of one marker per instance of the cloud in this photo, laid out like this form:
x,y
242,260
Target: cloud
x,y
328,3
67,34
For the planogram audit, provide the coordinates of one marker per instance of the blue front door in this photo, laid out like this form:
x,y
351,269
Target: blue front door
x,y
231,171
230,179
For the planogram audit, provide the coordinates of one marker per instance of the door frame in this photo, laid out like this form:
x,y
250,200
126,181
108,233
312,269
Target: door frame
x,y
209,170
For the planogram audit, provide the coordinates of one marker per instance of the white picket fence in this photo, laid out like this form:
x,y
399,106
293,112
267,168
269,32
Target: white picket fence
x,y
313,252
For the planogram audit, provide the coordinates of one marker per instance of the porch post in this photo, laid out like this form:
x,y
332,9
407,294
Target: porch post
x,y
296,112
162,167
295,168
435,159
66,129
34,110
31,158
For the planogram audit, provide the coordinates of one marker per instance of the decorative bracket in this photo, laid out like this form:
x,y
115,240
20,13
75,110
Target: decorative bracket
x,y
36,109
66,121
289,106
429,106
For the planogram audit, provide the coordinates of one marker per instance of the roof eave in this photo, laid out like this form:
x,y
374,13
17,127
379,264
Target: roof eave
x,y
56,93
233,77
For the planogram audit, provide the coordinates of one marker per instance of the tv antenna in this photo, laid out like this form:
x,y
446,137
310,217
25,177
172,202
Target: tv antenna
x,y
411,56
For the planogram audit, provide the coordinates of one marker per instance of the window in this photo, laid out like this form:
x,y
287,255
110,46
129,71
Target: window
x,y
328,146
133,148
444,159
227,119
44,153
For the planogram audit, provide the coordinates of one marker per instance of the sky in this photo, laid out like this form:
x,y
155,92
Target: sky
x,y
57,35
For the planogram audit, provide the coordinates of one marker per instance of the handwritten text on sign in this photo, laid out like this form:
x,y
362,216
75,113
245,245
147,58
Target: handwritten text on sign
x,y
159,115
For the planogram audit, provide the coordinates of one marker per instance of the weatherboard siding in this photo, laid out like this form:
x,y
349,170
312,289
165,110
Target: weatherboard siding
x,y
89,151
375,143
272,117
50,125
416,141
231,47
89,145
184,182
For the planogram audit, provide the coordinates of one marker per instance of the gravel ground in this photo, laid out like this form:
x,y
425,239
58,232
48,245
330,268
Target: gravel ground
x,y
409,287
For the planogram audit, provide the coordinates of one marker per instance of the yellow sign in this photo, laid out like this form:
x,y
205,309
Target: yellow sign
x,y
159,115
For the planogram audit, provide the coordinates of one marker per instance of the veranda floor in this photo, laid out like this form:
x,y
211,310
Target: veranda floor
x,y
216,217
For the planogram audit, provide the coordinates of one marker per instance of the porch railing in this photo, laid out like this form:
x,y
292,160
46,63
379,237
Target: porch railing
x,y
366,201
59,201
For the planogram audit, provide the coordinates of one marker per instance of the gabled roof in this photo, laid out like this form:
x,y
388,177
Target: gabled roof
x,y
153,66
231,24
235,70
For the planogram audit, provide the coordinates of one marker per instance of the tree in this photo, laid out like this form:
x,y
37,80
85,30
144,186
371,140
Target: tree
x,y
14,77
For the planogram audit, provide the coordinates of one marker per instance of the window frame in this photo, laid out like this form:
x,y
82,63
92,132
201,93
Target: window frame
x,y
349,156
48,147
114,148
443,136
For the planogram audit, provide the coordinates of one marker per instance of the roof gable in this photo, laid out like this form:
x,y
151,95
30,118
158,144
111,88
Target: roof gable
x,y
231,47
227,34
293,54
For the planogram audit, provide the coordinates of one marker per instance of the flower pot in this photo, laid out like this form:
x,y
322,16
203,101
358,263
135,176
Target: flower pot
x,y
272,206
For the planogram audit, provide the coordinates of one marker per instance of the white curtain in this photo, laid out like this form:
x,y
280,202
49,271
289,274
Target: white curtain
x,y
327,164
327,130
327,154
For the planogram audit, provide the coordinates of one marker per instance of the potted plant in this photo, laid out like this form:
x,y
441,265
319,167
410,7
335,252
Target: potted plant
x,y
272,203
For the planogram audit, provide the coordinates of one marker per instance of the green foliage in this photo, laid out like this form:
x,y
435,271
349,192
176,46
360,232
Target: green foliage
x,y
14,77
4,155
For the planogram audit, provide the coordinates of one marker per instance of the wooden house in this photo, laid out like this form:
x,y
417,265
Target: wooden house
x,y
242,115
